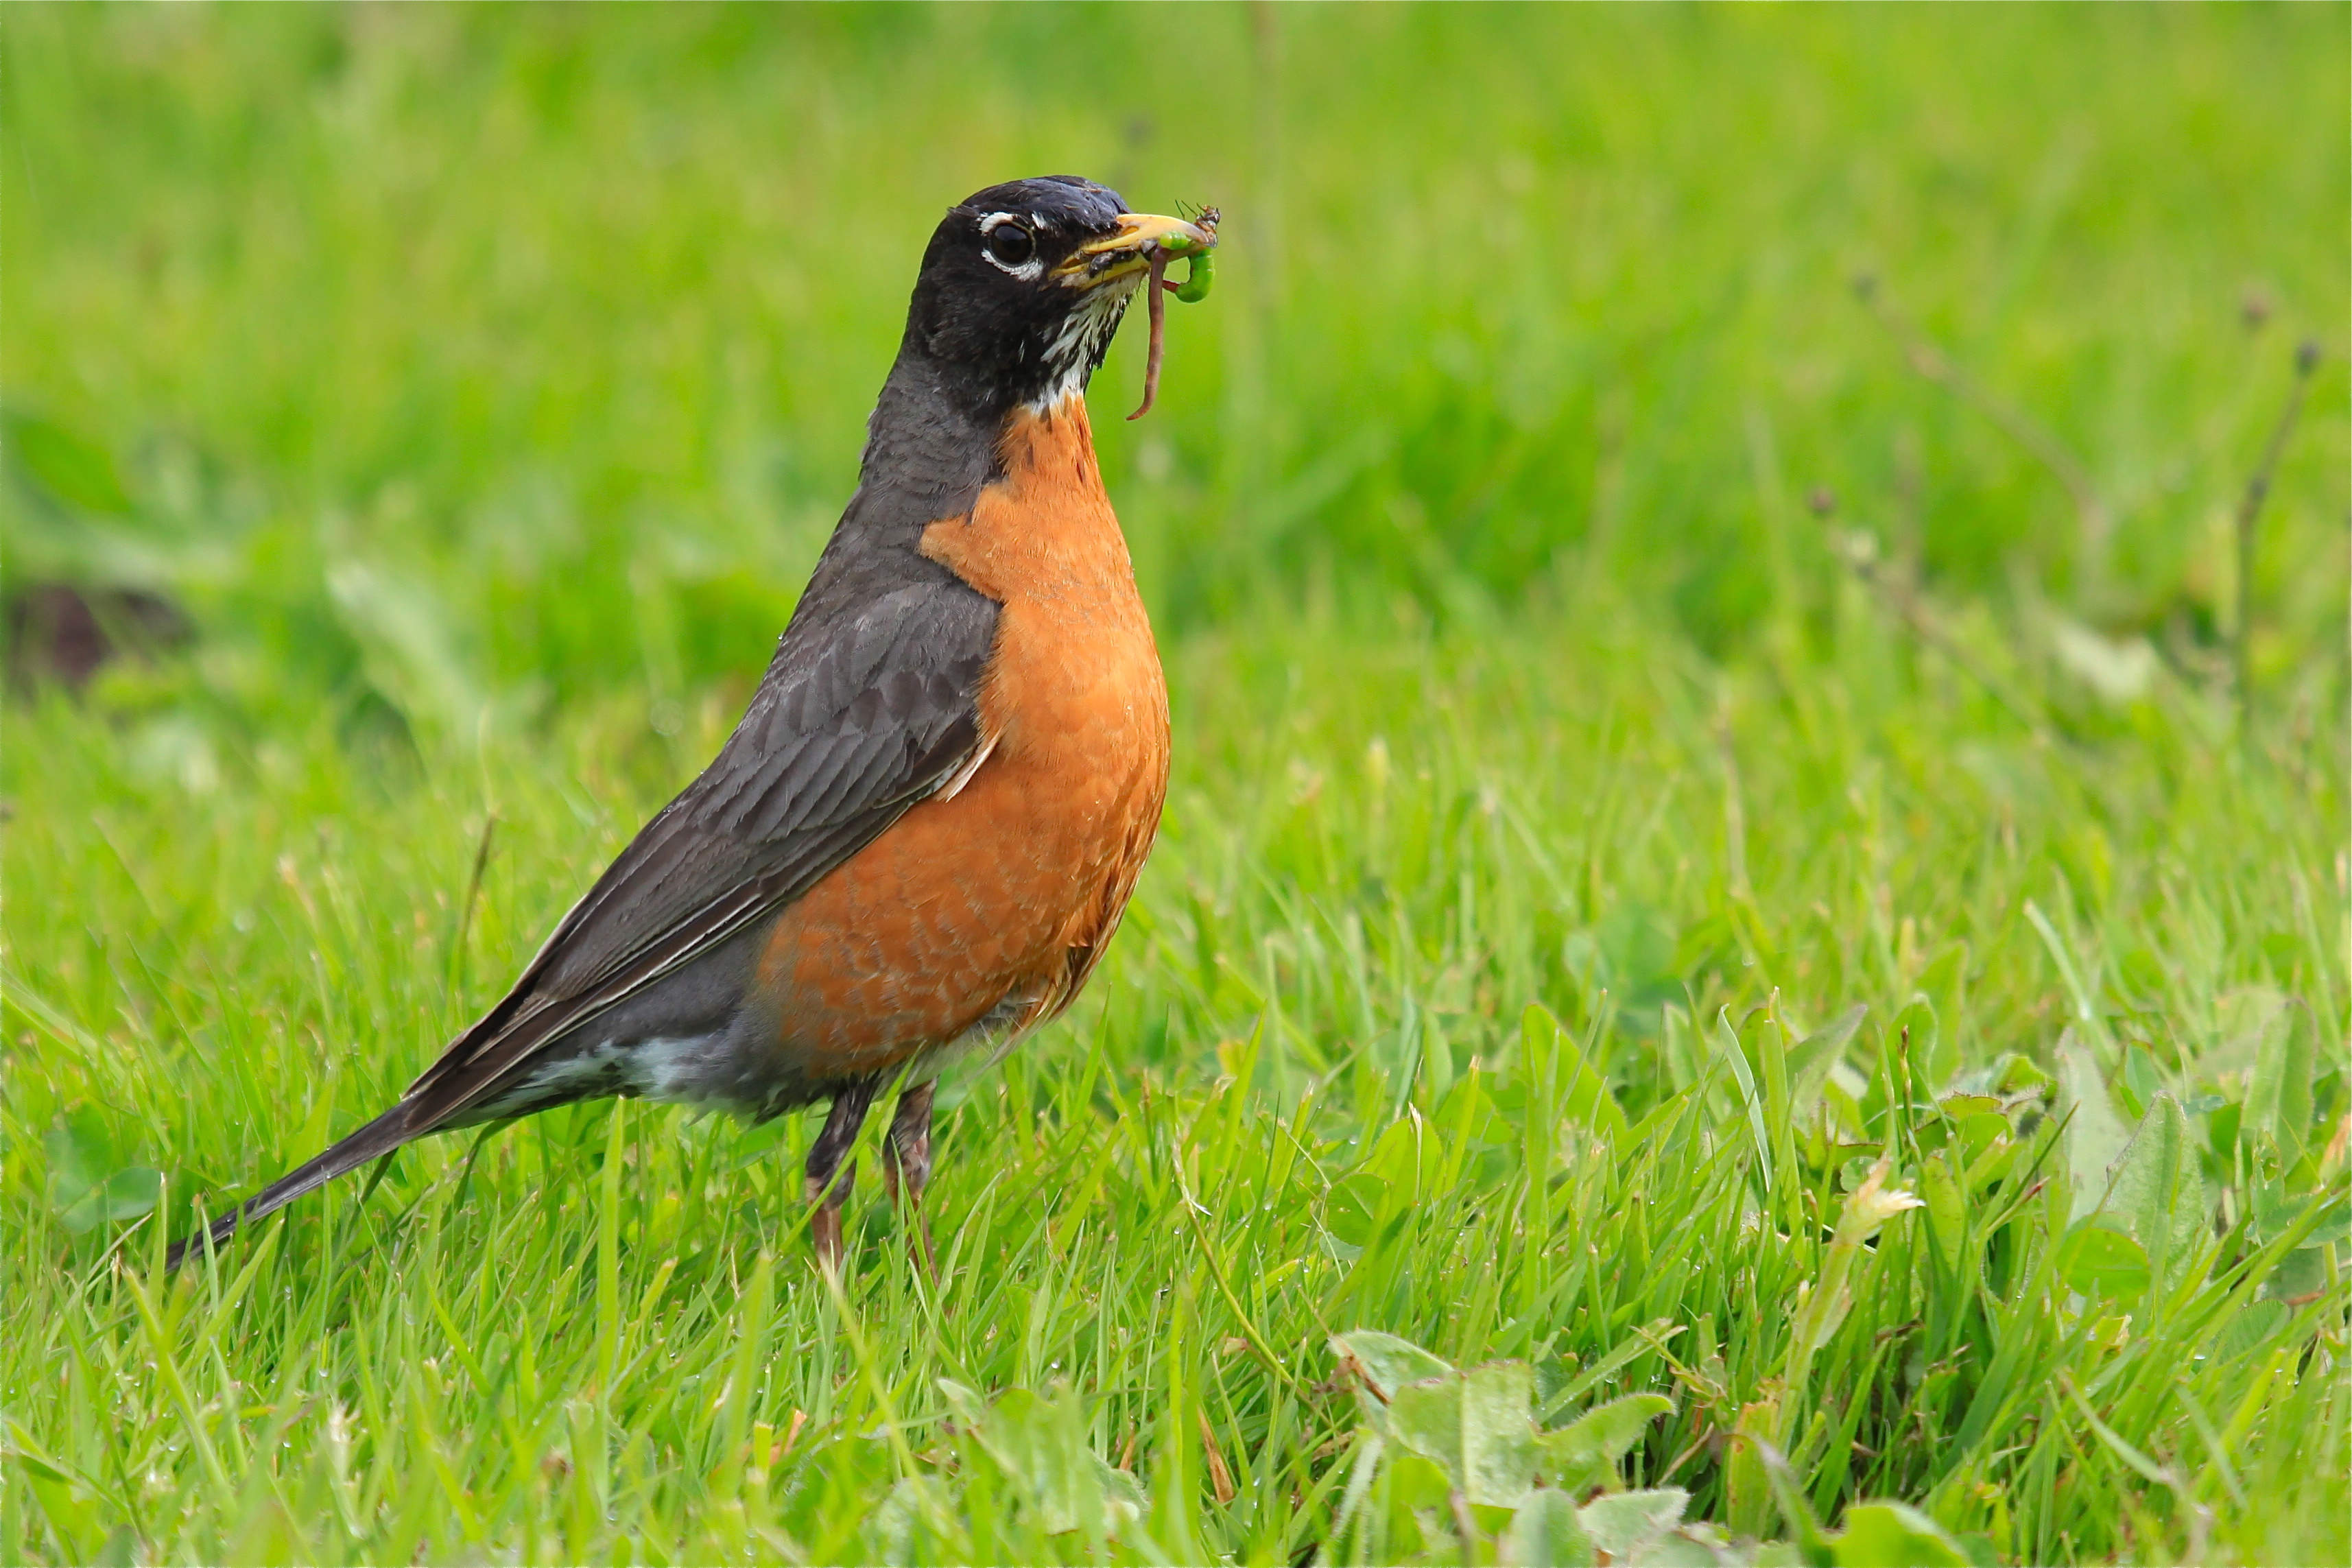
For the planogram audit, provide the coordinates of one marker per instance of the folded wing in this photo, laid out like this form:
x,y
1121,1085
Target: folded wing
x,y
853,724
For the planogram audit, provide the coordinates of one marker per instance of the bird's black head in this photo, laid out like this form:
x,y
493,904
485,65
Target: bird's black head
x,y
1023,284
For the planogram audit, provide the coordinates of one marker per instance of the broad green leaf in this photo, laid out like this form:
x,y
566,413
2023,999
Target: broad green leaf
x,y
2278,1095
2251,1332
1616,1523
1352,1209
970,1408
2160,1193
1417,1497
1475,1426
1585,1452
2140,1080
1894,1535
1122,1494
1469,1112
2334,1226
1947,1218
2300,1274
1811,1059
1385,1362
1406,1158
81,1155
86,1189
1915,1030
1040,1443
2097,1261
1545,1533
1855,1168
2014,1075
2274,1210
1018,1433
2094,1137
1656,1333
73,470
126,1194
1686,1546
2007,1078
1416,1482
1978,1133
917,1523
1748,1485
1586,1100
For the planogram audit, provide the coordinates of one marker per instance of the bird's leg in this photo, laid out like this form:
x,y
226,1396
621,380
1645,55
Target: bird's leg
x,y
830,1176
906,1169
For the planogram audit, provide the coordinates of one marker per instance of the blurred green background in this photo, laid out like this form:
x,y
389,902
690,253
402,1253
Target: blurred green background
x,y
437,361
449,403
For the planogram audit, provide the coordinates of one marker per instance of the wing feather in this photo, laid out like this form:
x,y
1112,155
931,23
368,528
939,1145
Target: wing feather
x,y
853,725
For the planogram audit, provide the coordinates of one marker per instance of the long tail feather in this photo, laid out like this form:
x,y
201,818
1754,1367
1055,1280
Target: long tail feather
x,y
380,1137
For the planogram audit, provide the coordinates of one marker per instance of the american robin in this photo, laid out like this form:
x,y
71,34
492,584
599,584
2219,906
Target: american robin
x,y
924,831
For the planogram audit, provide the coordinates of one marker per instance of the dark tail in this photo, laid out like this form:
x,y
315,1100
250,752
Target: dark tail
x,y
379,1137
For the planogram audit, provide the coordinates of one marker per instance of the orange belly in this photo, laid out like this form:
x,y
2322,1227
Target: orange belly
x,y
992,903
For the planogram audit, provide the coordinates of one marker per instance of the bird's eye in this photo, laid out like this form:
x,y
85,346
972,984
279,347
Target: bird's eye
x,y
1011,243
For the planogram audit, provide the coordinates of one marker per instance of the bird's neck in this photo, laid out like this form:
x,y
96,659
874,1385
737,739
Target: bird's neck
x,y
938,436
931,449
932,441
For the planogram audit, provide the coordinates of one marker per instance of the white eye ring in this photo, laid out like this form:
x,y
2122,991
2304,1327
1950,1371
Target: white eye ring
x,y
1028,271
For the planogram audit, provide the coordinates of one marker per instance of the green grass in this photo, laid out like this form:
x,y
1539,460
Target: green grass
x,y
1312,1027
482,382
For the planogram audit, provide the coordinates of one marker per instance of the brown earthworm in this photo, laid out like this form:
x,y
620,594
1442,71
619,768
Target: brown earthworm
x,y
1159,308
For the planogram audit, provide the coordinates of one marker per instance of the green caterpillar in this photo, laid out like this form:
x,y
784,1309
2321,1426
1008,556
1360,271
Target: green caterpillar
x,y
1197,279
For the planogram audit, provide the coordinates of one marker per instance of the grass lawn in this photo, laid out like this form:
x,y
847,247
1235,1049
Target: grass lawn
x,y
1667,1018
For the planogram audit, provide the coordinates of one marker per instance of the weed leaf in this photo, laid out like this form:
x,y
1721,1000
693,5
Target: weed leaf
x,y
1547,1533
1618,1524
2094,1137
1584,1453
1894,1535
2160,1193
1475,1426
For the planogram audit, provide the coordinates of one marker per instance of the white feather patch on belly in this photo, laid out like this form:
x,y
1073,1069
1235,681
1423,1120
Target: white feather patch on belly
x,y
668,1071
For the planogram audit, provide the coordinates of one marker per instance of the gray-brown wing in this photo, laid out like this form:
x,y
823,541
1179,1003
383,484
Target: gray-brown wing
x,y
853,725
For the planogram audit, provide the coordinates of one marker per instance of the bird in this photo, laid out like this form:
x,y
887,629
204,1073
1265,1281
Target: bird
x,y
920,837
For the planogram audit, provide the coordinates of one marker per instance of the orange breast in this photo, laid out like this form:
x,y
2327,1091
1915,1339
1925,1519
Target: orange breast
x,y
998,899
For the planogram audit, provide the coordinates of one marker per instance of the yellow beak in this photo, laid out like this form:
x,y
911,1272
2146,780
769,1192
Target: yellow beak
x,y
1139,238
